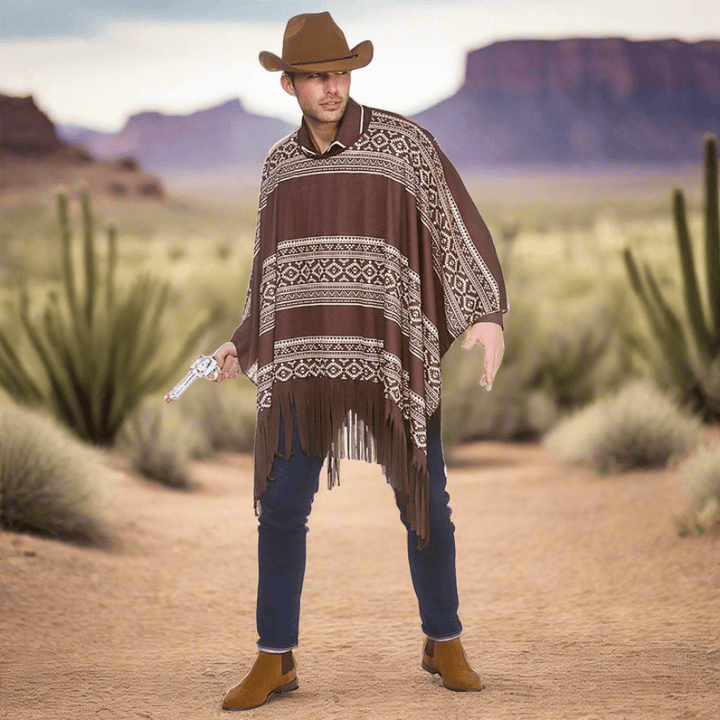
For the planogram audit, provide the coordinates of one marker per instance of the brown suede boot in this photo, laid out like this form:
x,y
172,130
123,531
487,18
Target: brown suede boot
x,y
448,660
271,673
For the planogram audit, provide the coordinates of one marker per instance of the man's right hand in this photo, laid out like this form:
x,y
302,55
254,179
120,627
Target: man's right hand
x,y
226,356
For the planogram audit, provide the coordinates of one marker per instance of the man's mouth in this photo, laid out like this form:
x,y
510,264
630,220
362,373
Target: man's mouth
x,y
330,103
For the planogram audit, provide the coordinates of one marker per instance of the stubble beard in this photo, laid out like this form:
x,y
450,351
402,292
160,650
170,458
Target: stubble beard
x,y
323,115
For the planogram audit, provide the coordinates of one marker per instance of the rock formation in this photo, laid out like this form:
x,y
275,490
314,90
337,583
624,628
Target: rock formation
x,y
581,101
577,101
221,139
24,128
33,157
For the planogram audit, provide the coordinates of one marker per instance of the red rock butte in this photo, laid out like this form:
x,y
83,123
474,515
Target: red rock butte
x,y
622,66
35,158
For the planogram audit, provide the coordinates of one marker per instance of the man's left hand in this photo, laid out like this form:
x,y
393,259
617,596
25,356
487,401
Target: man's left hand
x,y
490,336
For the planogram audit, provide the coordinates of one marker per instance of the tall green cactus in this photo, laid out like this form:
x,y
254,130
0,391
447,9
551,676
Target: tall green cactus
x,y
100,352
692,350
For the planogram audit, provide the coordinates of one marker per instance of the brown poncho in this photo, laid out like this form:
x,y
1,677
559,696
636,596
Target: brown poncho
x,y
369,260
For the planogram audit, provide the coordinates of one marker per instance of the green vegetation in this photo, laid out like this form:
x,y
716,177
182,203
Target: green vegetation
x,y
571,334
574,332
555,361
224,412
48,480
160,440
101,349
637,427
690,351
702,478
159,443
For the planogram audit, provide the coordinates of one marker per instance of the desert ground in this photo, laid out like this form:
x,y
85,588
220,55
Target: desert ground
x,y
579,600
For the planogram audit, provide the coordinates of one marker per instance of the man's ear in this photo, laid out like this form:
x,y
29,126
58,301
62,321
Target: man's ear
x,y
287,85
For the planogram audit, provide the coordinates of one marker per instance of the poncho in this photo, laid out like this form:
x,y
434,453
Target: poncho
x,y
369,260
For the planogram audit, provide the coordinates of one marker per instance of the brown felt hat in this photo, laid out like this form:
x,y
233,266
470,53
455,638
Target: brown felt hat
x,y
314,43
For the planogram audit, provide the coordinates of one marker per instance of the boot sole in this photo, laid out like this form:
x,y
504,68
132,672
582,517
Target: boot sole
x,y
287,687
435,671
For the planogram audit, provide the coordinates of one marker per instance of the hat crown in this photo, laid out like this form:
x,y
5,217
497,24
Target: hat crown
x,y
314,43
312,38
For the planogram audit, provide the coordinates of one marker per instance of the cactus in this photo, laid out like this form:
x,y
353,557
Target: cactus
x,y
101,353
691,349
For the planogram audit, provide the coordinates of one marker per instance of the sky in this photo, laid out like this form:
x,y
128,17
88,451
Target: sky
x,y
95,62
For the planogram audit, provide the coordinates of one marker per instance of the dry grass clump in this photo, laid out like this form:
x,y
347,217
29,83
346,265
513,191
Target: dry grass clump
x,y
550,367
702,478
226,413
161,439
46,479
100,344
638,427
160,443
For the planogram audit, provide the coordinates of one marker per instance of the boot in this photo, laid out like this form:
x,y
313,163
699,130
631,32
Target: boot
x,y
448,660
271,673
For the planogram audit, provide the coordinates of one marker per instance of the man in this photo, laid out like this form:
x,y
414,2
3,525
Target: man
x,y
369,260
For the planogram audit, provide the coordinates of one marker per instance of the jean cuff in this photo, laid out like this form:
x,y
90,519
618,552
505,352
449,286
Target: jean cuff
x,y
276,651
444,639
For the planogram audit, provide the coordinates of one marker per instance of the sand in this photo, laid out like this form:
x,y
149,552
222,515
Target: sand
x,y
579,600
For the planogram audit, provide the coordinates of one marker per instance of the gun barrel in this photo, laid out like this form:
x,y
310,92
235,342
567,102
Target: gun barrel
x,y
205,366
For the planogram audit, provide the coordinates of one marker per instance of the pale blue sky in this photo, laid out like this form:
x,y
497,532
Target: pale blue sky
x,y
95,62
42,18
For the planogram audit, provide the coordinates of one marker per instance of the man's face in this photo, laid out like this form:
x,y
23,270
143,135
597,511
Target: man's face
x,y
321,96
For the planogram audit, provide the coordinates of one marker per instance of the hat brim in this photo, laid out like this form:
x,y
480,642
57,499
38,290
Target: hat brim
x,y
360,56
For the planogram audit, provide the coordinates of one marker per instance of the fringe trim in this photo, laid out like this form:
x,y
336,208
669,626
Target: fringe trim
x,y
345,418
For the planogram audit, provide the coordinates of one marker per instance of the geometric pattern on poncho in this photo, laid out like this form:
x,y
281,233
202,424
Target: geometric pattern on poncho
x,y
341,270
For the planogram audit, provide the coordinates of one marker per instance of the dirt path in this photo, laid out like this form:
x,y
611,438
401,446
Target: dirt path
x,y
578,599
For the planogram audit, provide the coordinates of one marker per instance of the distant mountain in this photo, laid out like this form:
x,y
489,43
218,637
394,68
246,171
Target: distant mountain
x,y
581,100
221,139
33,157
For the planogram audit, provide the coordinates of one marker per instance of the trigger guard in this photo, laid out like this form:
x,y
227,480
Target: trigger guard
x,y
213,375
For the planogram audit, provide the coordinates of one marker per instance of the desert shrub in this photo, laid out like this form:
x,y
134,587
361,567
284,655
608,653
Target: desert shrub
x,y
689,341
176,251
636,427
213,285
225,412
101,350
223,249
702,479
567,358
46,479
551,366
159,443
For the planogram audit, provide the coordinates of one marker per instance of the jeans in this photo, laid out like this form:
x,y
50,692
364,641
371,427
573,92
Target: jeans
x,y
282,532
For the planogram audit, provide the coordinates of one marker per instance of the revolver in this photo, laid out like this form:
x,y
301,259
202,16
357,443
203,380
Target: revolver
x,y
205,366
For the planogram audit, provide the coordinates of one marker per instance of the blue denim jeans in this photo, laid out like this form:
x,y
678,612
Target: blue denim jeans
x,y
282,532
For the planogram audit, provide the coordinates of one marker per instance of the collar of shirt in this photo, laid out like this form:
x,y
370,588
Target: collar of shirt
x,y
353,123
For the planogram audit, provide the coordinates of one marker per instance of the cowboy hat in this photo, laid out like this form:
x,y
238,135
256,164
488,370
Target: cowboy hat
x,y
314,43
